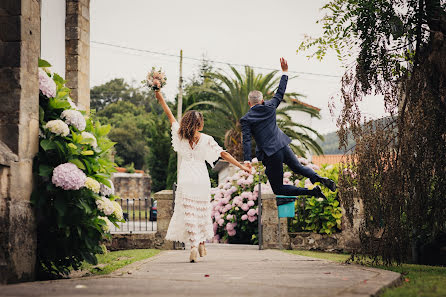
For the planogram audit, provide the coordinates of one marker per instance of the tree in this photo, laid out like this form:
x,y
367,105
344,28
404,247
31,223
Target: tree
x,y
228,104
395,49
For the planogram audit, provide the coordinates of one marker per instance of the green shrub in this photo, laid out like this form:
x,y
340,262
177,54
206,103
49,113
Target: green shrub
x,y
72,218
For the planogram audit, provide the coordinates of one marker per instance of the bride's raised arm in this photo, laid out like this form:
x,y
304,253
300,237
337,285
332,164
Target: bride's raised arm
x,y
165,107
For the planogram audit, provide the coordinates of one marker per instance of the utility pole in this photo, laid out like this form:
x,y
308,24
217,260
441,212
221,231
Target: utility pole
x,y
180,89
180,101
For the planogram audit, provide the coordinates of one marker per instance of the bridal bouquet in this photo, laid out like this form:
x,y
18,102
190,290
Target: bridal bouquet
x,y
156,79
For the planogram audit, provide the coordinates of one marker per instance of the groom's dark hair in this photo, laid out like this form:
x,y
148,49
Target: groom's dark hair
x,y
190,122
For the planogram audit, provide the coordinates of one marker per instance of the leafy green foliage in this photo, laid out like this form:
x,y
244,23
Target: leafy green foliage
x,y
318,215
68,228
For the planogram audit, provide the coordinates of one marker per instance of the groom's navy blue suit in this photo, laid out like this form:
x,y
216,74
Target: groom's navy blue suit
x,y
272,144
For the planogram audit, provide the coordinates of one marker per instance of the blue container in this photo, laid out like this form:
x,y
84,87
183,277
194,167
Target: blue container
x,y
286,210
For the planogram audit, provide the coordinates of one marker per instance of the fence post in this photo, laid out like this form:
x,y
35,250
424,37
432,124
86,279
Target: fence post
x,y
165,210
270,223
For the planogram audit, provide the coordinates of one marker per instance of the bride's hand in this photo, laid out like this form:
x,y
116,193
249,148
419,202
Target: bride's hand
x,y
245,168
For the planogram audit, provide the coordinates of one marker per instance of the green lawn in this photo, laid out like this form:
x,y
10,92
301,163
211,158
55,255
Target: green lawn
x,y
419,280
112,261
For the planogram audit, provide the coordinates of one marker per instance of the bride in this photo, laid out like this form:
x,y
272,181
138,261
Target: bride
x,y
191,221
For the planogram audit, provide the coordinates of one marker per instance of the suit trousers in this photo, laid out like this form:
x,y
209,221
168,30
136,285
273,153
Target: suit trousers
x,y
274,172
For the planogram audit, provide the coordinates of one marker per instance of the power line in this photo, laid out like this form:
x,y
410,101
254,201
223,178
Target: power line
x,y
212,61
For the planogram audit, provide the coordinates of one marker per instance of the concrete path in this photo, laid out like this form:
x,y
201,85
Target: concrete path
x,y
228,270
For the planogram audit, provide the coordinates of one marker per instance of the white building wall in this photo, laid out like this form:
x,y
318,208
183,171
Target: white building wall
x,y
53,34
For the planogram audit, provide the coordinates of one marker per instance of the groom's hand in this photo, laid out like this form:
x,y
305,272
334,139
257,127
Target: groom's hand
x,y
284,64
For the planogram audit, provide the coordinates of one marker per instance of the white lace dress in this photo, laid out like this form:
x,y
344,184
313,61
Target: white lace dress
x,y
191,221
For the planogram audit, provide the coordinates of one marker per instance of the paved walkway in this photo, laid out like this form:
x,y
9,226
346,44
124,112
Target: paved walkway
x,y
228,270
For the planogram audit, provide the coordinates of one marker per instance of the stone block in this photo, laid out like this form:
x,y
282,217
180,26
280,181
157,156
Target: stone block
x,y
21,180
10,53
10,83
23,240
132,241
72,20
85,11
10,28
72,7
10,7
72,47
29,137
72,33
9,135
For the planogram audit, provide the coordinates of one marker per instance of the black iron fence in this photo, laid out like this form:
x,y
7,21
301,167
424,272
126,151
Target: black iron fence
x,y
139,214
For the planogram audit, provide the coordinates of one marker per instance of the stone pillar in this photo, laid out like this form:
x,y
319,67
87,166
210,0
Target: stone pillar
x,y
77,51
270,221
19,127
165,210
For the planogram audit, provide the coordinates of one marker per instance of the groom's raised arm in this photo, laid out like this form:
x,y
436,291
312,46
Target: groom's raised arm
x,y
278,97
246,135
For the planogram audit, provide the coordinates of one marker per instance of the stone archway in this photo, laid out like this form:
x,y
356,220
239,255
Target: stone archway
x,y
20,23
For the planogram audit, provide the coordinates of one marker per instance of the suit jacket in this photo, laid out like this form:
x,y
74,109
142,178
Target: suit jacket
x,y
260,123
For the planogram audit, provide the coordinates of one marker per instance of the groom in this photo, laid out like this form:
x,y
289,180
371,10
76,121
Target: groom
x,y
272,144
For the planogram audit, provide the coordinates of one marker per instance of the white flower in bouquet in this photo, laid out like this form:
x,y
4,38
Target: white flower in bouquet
x,y
46,84
107,191
58,127
92,184
74,118
118,210
90,136
156,79
105,205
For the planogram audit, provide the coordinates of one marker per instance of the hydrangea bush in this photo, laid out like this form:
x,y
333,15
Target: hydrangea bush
x,y
74,196
234,205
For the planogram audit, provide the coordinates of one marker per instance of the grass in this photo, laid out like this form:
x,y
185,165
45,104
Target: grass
x,y
112,261
419,280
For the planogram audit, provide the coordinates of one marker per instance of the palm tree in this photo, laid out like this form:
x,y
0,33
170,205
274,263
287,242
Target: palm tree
x,y
229,103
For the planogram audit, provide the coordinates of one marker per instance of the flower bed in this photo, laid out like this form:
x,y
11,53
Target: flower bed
x,y
74,197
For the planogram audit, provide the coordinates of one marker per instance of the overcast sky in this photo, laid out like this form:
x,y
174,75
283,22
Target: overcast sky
x,y
253,32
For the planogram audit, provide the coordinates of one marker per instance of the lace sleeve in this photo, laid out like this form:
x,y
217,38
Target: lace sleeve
x,y
175,137
213,151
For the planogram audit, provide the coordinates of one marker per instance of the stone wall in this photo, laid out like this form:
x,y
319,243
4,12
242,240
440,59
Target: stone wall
x,y
165,210
19,126
345,241
132,185
77,51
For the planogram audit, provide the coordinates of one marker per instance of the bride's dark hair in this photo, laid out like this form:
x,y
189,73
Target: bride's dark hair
x,y
190,122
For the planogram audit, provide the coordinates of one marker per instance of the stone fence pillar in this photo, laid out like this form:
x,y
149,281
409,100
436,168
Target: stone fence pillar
x,y
165,210
270,223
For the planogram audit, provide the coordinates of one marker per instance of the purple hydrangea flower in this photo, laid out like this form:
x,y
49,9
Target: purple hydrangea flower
x,y
68,177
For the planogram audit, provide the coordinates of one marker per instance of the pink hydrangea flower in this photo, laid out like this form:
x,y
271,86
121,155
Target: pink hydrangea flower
x,y
220,222
245,207
229,227
229,217
296,182
255,161
252,219
46,84
308,183
287,174
286,180
68,177
216,239
244,217
232,232
251,212
250,203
